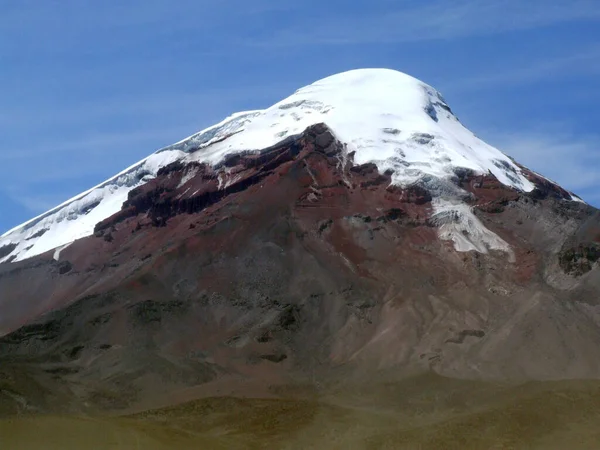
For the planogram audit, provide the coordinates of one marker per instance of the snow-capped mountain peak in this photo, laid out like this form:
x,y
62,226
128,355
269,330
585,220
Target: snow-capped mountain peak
x,y
383,116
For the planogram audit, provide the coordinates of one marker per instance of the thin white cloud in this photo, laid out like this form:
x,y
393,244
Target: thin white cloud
x,y
146,105
106,144
36,203
44,174
582,63
570,159
97,155
63,26
109,15
433,20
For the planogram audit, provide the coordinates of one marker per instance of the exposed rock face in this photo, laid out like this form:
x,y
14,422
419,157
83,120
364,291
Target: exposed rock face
x,y
296,264
7,250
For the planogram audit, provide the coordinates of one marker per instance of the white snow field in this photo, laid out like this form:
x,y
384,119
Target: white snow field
x,y
384,116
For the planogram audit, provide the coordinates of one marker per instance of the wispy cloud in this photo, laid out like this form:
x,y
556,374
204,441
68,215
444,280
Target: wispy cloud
x,y
147,105
44,173
62,25
568,158
581,63
114,14
394,22
59,148
36,203
104,144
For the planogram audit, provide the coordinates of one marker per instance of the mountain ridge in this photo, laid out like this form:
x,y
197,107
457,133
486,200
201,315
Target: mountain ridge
x,y
382,116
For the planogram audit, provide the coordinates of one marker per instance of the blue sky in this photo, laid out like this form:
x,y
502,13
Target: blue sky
x,y
88,88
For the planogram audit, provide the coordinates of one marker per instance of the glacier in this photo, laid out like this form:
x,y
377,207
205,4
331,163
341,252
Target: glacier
x,y
382,116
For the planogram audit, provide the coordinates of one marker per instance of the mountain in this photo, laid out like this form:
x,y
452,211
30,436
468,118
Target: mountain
x,y
382,116
353,231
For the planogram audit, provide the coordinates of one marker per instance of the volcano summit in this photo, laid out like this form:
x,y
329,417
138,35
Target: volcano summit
x,y
381,116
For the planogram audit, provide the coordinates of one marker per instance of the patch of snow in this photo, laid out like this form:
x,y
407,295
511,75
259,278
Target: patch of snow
x,y
77,217
225,179
189,174
574,197
56,255
457,223
221,177
183,193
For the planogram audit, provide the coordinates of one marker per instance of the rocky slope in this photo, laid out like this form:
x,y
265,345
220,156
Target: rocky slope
x,y
305,261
